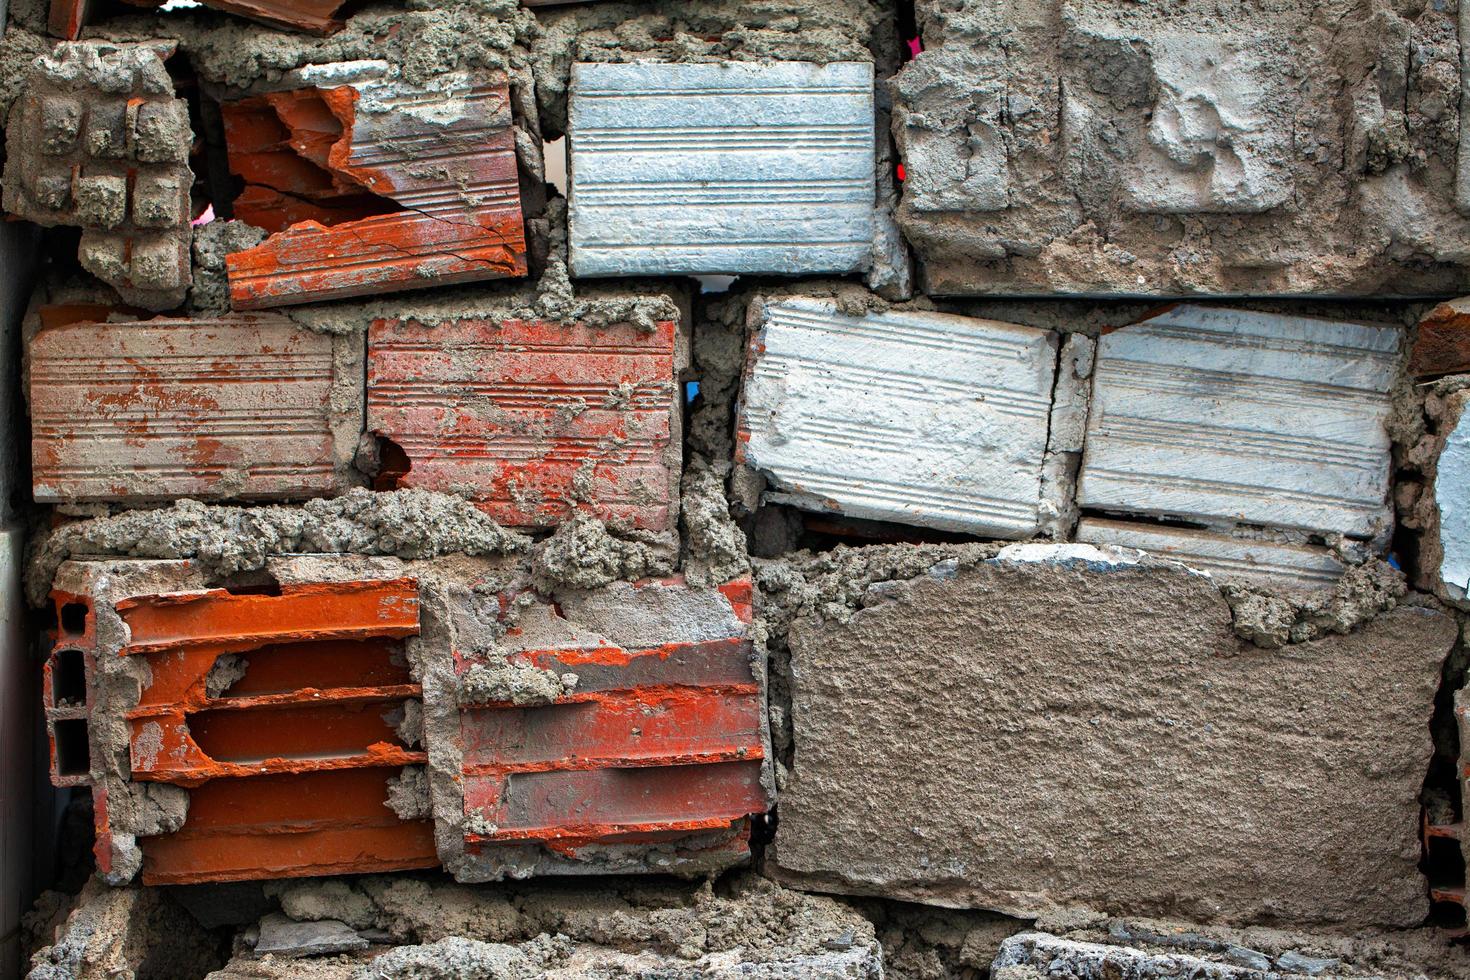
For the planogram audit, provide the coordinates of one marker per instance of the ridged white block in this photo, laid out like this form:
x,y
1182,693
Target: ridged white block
x,y
721,168
922,418
1229,416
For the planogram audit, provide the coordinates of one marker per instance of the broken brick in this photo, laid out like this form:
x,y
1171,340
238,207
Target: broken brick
x,y
440,159
240,406
533,420
97,140
67,17
839,414
1442,345
1226,416
1227,557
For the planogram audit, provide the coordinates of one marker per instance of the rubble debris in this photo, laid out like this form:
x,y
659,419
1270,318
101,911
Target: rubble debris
x,y
745,926
1088,149
1165,719
716,545
99,141
228,540
837,414
1038,954
240,406
1223,416
116,932
533,421
756,185
1258,560
457,220
280,936
1271,620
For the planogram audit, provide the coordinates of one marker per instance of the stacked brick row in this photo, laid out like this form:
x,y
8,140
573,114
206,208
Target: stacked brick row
x,y
1164,660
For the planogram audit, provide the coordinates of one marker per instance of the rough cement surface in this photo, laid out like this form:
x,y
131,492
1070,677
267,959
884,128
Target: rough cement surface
x,y
1423,495
716,548
125,932
514,683
743,927
210,291
1192,774
1271,620
228,540
581,554
1066,146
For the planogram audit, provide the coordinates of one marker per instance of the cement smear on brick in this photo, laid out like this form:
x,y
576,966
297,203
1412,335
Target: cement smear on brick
x,y
227,540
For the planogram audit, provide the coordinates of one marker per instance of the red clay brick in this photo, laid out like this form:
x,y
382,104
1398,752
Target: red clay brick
x,y
452,185
240,406
537,420
1443,344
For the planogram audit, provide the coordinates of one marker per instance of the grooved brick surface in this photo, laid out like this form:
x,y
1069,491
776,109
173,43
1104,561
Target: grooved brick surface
x,y
533,420
721,168
1227,416
1225,557
240,406
922,418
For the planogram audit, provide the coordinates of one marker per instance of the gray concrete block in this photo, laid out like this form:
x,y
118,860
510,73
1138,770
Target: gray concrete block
x,y
1094,734
734,167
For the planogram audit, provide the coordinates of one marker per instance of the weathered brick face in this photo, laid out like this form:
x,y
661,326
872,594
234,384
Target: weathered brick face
x,y
533,420
239,406
99,141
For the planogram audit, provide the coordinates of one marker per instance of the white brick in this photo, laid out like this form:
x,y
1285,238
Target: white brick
x,y
1228,416
1452,498
922,418
1225,557
721,168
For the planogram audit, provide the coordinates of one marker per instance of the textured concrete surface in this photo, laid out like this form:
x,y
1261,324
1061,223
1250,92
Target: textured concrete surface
x,y
915,417
721,168
1222,416
1226,557
99,141
1025,735
1071,146
235,407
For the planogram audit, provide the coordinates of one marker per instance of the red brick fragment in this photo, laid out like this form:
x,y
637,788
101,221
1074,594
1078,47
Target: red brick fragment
x,y
650,743
441,157
535,420
240,406
1443,343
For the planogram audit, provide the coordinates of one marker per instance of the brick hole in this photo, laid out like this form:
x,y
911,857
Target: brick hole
x,y
73,748
277,153
309,731
393,465
74,618
324,664
716,283
554,156
258,583
68,678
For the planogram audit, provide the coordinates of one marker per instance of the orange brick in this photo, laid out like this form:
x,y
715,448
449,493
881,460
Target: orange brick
x,y
240,406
